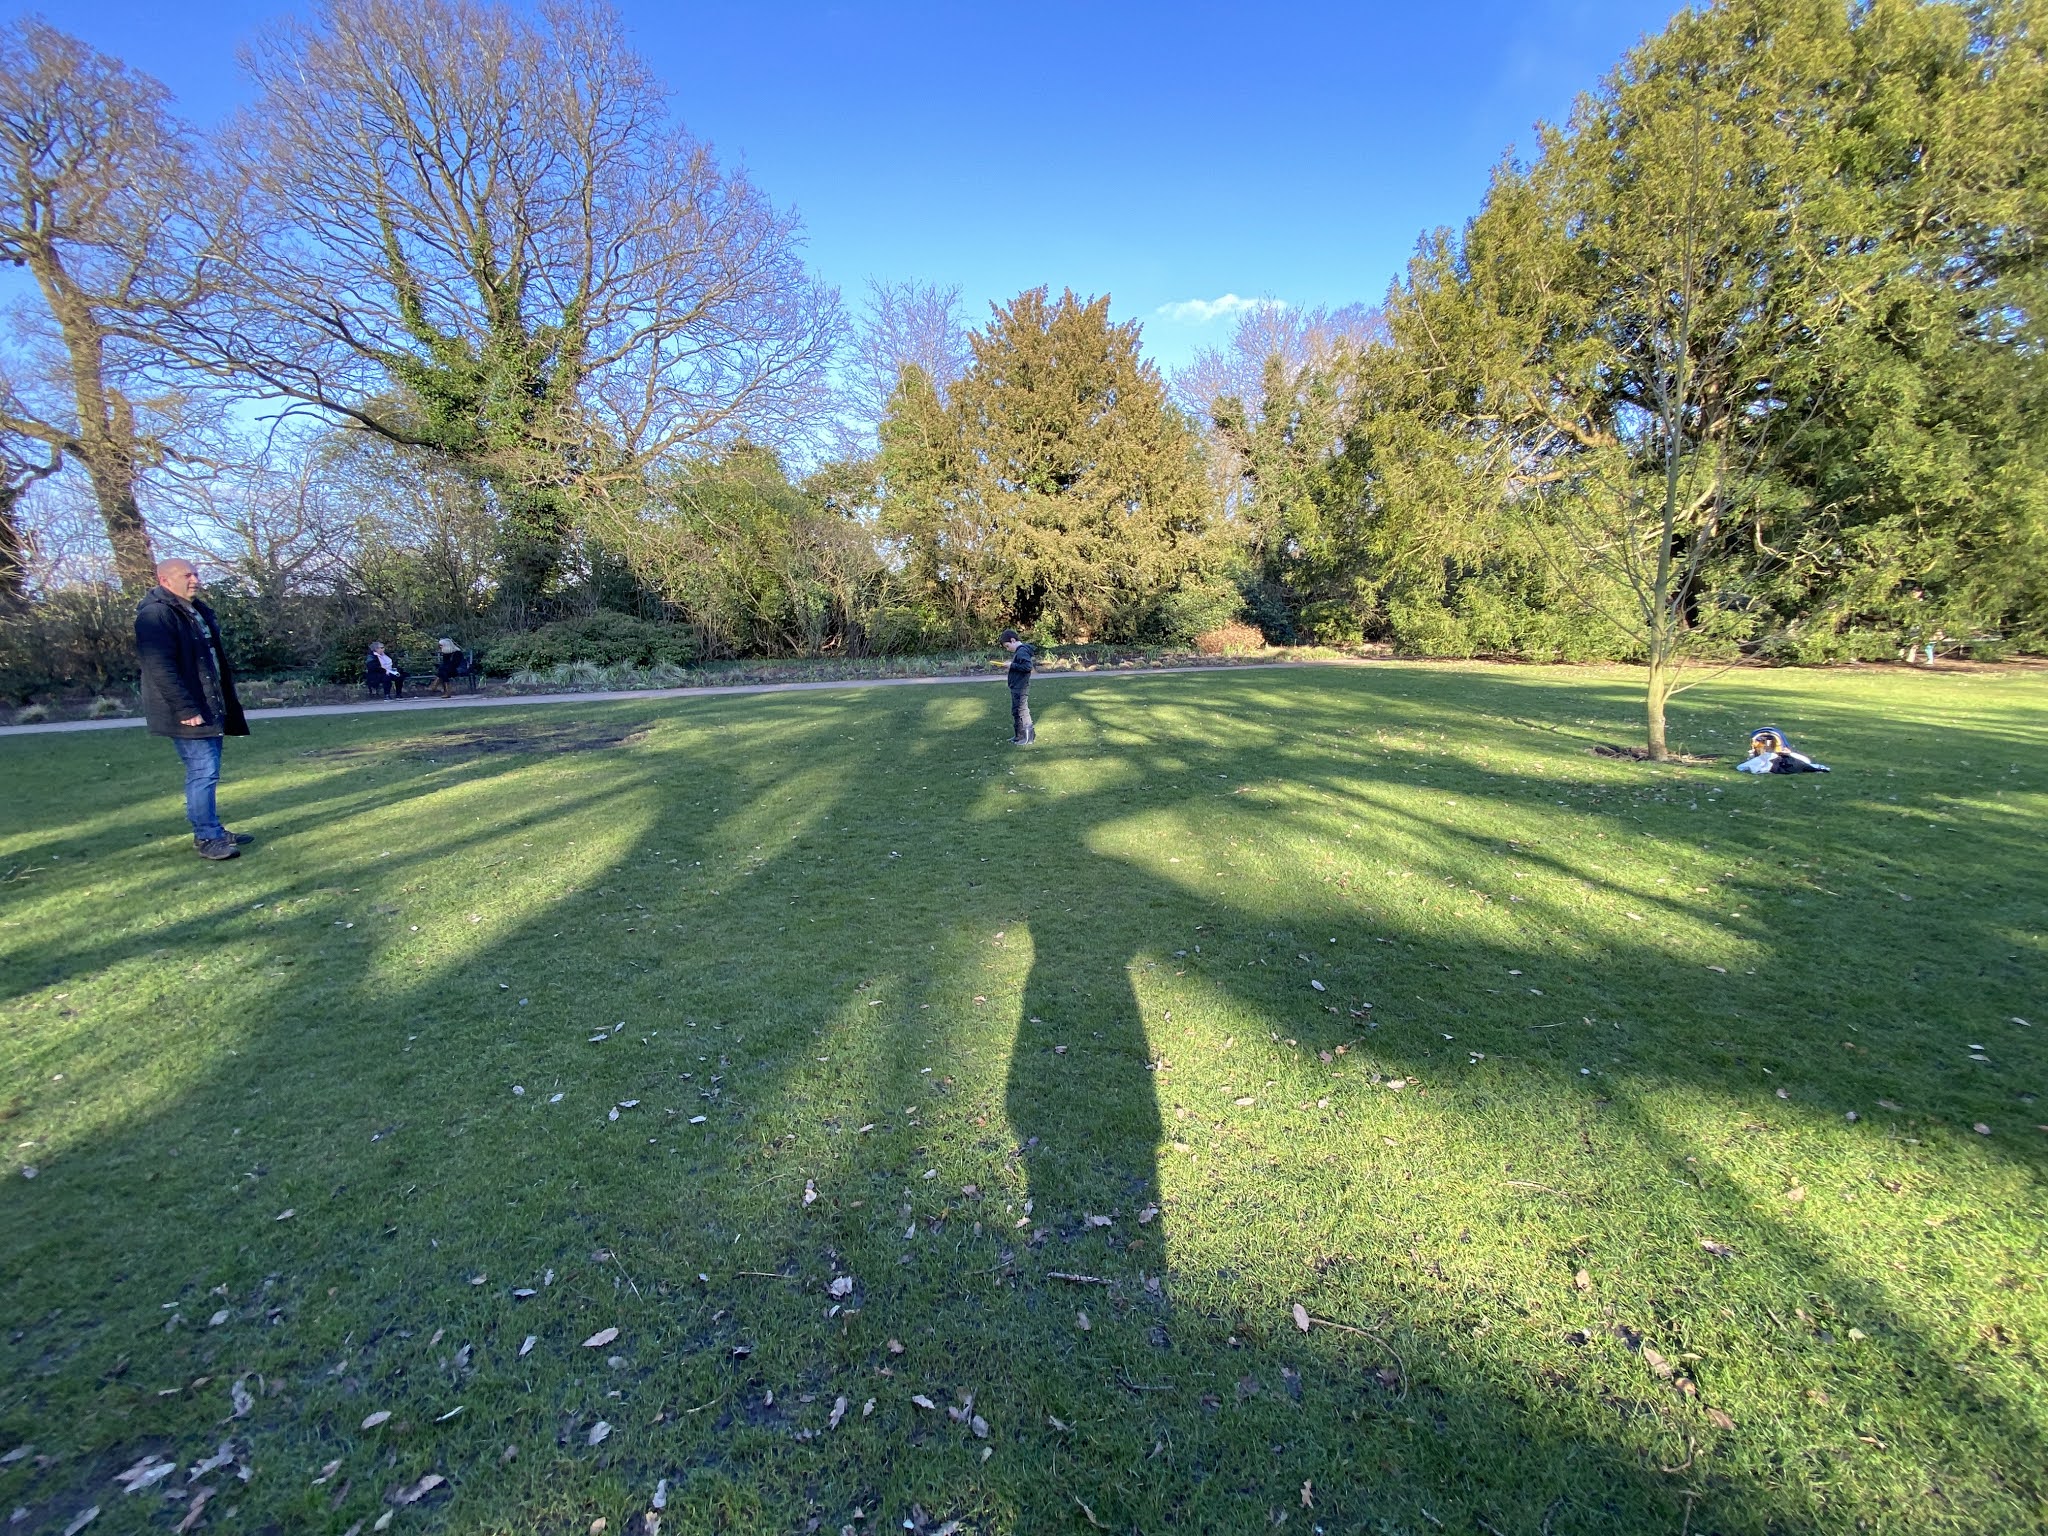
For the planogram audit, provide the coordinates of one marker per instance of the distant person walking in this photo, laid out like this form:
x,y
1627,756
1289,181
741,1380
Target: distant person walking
x,y
1023,661
382,674
188,694
447,662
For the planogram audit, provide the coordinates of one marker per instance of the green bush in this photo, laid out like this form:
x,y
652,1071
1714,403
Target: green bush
x,y
1194,610
76,638
1266,608
601,639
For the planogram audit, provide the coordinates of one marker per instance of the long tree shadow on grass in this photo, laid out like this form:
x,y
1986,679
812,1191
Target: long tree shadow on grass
x,y
1135,1454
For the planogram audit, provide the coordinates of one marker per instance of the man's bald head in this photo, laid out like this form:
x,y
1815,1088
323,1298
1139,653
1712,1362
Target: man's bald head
x,y
178,576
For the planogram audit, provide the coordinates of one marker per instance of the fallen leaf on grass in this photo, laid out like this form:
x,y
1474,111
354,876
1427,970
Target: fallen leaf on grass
x,y
843,1286
660,1499
1095,1221
412,1493
1582,1281
810,1193
601,1338
867,1408
1981,1128
526,1348
1719,1419
1308,1495
1718,1250
285,1215
838,1413
1657,1362
381,1416
327,1471
1147,1215
239,1396
1796,1193
198,1507
599,1432
918,1399
1319,986
980,1427
81,1520
1301,1317
895,1346
1081,1322
146,1473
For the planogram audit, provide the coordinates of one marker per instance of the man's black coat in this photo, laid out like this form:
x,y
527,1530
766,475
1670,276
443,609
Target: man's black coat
x,y
170,637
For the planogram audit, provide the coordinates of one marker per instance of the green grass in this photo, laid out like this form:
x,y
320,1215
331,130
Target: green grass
x,y
1632,1011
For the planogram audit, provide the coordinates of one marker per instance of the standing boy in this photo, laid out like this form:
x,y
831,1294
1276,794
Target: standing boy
x,y
188,694
1022,660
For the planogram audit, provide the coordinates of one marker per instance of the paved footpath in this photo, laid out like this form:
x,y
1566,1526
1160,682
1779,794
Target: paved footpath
x,y
521,700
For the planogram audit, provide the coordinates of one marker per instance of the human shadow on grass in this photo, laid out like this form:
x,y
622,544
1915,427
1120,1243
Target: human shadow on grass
x,y
1160,1459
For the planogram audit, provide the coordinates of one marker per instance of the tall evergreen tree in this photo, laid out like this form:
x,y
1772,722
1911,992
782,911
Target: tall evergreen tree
x,y
1055,486
1750,353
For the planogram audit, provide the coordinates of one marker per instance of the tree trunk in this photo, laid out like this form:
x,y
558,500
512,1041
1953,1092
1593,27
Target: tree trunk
x,y
134,561
1655,696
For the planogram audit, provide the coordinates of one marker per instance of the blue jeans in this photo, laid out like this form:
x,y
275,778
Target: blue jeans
x,y
1020,713
202,773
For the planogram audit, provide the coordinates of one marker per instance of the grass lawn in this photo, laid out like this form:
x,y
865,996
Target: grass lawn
x,y
950,1133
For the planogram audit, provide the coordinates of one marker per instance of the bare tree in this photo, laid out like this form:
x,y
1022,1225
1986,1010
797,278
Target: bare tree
x,y
21,467
100,200
1297,337
477,230
906,324
280,520
1272,350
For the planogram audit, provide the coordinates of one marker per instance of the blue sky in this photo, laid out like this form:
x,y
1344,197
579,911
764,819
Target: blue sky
x,y
1163,154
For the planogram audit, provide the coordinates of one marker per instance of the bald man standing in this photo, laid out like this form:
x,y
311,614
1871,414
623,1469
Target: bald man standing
x,y
188,694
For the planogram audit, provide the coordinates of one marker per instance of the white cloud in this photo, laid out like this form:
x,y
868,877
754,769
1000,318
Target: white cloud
x,y
1202,311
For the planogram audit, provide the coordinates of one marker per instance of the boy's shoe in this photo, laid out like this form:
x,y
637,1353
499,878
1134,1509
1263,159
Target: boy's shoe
x,y
239,839
219,848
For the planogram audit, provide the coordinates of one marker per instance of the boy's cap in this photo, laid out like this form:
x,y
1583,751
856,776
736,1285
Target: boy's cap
x,y
1007,636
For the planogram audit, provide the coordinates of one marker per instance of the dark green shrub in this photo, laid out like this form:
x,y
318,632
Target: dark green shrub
x,y
75,639
603,639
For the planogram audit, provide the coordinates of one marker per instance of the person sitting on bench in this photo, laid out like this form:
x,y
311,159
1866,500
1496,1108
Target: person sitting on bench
x,y
447,666
381,674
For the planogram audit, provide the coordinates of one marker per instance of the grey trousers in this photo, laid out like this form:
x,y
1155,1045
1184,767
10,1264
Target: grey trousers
x,y
1020,712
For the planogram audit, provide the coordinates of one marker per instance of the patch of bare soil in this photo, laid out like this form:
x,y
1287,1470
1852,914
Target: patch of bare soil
x,y
1642,755
442,746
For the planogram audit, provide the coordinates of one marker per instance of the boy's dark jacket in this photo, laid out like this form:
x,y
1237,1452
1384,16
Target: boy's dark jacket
x,y
169,635
1022,662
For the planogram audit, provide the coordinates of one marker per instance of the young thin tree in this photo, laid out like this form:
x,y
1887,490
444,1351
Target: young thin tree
x,y
100,192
